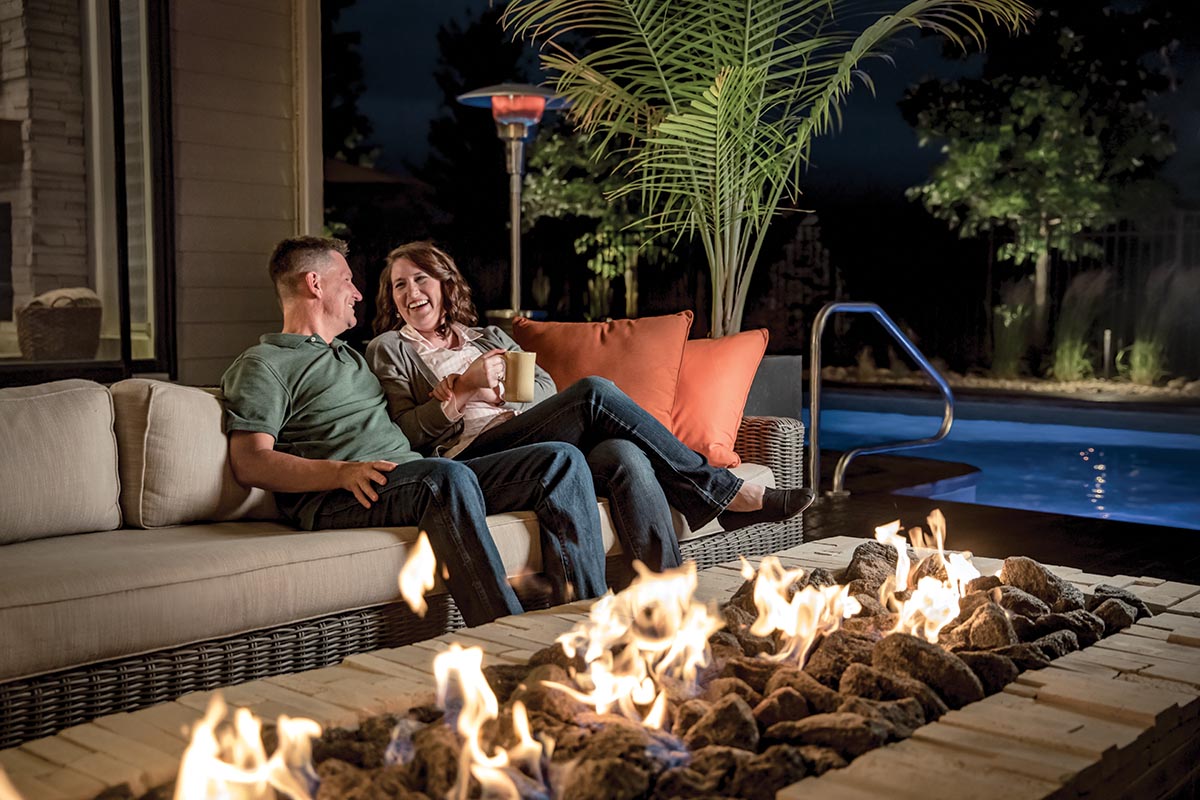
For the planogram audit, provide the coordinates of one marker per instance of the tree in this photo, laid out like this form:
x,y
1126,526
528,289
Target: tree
x,y
721,100
466,160
566,179
1055,138
346,131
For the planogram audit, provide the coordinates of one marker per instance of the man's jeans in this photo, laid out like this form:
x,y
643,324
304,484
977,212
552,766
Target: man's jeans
x,y
450,501
641,473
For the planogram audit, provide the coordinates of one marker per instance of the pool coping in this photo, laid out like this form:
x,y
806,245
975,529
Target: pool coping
x,y
1150,417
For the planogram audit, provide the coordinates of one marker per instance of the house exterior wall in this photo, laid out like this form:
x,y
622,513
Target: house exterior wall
x,y
243,100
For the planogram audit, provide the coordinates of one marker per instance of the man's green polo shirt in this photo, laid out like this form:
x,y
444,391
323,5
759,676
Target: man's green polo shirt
x,y
319,401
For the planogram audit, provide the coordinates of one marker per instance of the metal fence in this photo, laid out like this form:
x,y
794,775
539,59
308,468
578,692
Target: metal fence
x,y
1133,250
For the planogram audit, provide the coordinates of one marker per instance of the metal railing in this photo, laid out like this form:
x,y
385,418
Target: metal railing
x,y
814,403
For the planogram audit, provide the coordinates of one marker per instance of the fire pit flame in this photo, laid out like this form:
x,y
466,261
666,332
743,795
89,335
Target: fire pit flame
x,y
660,638
231,764
464,694
417,574
804,616
890,534
7,790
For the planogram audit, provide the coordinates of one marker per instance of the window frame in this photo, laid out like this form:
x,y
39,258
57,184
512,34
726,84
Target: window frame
x,y
161,188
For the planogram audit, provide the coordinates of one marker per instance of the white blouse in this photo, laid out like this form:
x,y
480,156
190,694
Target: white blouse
x,y
477,415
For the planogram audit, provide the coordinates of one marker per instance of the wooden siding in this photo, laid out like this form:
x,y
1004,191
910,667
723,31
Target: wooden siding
x,y
237,157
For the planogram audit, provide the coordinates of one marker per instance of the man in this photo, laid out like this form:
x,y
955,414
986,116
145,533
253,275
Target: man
x,y
307,420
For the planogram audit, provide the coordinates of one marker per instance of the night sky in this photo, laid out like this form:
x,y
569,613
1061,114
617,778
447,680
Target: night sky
x,y
874,152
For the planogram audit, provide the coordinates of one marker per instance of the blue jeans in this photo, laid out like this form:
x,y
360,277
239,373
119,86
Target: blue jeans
x,y
450,501
591,414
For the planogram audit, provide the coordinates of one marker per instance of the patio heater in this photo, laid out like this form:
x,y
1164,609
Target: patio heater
x,y
517,108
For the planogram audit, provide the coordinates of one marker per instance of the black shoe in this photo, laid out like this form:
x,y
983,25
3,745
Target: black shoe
x,y
778,505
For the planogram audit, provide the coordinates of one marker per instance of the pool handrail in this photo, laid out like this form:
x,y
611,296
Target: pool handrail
x,y
814,403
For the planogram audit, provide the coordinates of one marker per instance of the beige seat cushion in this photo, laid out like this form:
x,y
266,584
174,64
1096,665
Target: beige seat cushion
x,y
58,461
175,458
92,597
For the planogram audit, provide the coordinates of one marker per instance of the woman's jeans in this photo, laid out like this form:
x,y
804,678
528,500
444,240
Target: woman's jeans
x,y
636,463
450,501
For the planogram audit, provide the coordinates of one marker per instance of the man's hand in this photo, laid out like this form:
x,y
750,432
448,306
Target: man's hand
x,y
358,477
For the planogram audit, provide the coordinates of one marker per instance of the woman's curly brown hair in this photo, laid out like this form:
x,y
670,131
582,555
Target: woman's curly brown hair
x,y
456,294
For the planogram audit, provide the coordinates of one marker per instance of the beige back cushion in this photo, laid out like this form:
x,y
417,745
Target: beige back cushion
x,y
58,461
175,458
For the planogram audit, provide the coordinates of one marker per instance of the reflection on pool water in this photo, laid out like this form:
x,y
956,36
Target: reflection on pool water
x,y
1132,475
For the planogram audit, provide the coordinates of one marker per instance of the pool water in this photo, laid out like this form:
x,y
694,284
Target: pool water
x,y
1132,475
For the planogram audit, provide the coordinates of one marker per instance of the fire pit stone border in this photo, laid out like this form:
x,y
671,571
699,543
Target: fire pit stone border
x,y
1118,719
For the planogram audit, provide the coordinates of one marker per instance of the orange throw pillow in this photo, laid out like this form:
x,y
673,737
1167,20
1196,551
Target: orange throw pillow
x,y
641,356
714,383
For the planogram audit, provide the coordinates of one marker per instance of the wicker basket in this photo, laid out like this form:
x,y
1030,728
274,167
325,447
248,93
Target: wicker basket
x,y
61,325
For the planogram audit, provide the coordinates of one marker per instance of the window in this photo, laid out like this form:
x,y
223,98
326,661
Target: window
x,y
85,256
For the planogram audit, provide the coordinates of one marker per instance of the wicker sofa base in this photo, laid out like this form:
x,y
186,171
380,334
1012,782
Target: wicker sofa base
x,y
31,708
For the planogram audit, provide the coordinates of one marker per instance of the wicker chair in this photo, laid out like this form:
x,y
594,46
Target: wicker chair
x,y
39,706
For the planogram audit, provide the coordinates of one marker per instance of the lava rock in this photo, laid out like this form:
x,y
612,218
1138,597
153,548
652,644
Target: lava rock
x,y
1087,627
390,782
738,622
679,782
990,627
967,606
930,566
819,760
339,779
850,735
901,717
505,678
993,670
837,651
606,779
554,654
941,671
754,671
765,774
435,761
1027,574
1057,644
1103,591
1024,628
1019,601
743,598
719,764
729,722
611,736
1025,655
873,627
984,583
688,714
820,697
871,607
779,706
872,563
867,681
1116,615
723,686
537,696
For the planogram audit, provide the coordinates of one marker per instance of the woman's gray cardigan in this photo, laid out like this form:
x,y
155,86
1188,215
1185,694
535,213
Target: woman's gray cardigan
x,y
409,383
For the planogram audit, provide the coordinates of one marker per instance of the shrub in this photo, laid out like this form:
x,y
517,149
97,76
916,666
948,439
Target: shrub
x,y
1080,309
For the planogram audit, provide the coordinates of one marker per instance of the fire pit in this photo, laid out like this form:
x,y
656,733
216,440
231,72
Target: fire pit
x,y
1119,716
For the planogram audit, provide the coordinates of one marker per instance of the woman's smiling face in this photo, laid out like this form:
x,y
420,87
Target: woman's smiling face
x,y
417,295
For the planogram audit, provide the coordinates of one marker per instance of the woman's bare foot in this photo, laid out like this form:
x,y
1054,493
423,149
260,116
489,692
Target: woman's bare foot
x,y
748,498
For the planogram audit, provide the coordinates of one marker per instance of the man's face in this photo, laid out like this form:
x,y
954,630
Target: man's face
x,y
338,292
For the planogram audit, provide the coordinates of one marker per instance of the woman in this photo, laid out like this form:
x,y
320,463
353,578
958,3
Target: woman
x,y
443,383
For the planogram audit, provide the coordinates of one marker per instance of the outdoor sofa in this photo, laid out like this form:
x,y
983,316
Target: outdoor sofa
x,y
134,569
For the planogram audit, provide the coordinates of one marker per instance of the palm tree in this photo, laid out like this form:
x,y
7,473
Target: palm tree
x,y
721,100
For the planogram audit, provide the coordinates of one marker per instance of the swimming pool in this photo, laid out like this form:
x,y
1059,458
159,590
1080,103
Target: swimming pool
x,y
1147,476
